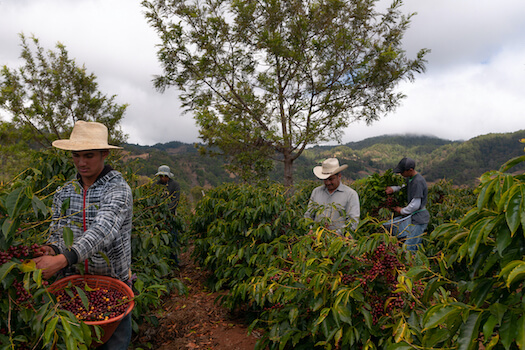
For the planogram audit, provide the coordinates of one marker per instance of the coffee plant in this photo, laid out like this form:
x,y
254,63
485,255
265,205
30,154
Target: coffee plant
x,y
448,203
331,292
372,197
306,287
153,274
280,267
478,280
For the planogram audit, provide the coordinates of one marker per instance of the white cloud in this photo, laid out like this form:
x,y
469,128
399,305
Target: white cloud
x,y
474,82
460,103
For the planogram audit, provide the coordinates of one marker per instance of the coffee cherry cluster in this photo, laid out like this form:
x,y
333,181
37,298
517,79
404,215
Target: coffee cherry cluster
x,y
390,202
103,303
385,305
274,278
347,279
19,252
276,306
379,280
22,295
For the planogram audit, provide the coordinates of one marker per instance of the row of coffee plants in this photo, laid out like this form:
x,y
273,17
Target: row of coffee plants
x,y
29,316
232,221
306,287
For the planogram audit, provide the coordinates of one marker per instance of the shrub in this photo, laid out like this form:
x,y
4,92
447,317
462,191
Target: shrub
x,y
477,280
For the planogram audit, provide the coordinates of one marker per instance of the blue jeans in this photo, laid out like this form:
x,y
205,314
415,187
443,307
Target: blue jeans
x,y
121,338
413,235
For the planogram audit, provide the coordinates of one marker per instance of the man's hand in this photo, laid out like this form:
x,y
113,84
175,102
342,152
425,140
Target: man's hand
x,y
389,190
50,264
397,209
43,250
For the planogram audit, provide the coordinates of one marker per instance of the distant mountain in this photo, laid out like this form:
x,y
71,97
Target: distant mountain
x,y
429,142
468,160
460,161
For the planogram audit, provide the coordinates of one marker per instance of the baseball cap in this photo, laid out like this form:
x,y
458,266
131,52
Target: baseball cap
x,y
405,164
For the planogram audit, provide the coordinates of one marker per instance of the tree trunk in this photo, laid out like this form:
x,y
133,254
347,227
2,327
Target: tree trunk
x,y
288,169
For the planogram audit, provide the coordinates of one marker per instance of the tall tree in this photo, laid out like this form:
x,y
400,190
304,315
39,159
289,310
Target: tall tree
x,y
266,78
49,93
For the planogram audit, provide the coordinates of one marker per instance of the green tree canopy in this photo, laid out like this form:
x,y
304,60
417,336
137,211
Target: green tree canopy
x,y
266,78
49,93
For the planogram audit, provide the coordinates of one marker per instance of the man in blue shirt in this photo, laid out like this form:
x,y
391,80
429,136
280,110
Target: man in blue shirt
x,y
417,192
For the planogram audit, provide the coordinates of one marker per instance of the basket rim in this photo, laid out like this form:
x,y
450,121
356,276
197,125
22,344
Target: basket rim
x,y
396,220
61,283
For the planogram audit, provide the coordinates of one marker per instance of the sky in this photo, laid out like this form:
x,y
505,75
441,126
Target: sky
x,y
474,82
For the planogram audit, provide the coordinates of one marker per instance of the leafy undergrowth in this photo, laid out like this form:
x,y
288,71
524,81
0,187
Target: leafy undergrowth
x,y
195,320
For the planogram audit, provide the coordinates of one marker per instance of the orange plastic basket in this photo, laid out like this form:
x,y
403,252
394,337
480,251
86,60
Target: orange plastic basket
x,y
97,281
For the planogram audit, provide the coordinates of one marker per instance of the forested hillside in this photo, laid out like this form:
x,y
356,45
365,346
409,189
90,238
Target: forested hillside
x,y
461,162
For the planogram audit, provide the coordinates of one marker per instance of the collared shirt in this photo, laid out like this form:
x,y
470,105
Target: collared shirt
x,y
107,206
339,207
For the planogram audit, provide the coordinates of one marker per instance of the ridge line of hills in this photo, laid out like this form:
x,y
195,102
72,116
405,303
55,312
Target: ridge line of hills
x,y
461,162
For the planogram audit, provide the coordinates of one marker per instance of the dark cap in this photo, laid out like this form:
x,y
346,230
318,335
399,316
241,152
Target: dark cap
x,y
405,164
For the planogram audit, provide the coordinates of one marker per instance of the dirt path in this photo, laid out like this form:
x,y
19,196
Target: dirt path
x,y
195,321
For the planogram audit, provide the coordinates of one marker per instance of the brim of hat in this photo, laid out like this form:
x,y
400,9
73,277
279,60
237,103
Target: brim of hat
x,y
164,173
318,171
69,145
398,170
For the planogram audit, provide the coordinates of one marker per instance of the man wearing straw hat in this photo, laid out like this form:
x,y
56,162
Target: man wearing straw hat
x,y
97,207
333,201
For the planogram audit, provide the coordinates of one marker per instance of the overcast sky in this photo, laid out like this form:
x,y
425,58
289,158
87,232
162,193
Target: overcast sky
x,y
474,83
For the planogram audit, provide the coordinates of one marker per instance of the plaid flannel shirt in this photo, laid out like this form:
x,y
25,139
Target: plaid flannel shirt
x,y
108,207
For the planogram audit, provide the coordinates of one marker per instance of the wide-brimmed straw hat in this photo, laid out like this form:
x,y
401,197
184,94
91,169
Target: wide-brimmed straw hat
x,y
328,168
86,136
164,170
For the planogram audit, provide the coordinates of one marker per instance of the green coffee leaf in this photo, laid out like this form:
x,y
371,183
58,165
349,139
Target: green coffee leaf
x,y
83,297
514,208
6,268
68,236
50,330
517,273
440,314
469,332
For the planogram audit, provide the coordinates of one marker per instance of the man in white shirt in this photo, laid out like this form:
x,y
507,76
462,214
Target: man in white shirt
x,y
335,202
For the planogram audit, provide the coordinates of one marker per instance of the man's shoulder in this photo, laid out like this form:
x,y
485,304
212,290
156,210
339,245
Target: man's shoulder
x,y
418,178
173,184
321,188
114,179
345,188
68,186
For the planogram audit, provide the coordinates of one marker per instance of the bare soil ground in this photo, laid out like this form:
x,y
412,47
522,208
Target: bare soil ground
x,y
196,321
